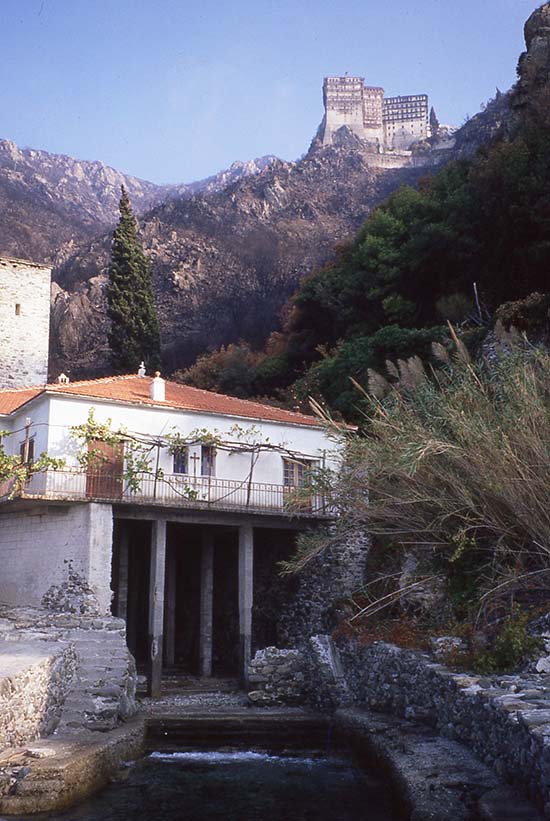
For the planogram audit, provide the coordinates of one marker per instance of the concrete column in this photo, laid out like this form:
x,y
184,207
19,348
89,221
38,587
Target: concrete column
x,y
207,598
156,607
122,593
246,592
98,533
170,609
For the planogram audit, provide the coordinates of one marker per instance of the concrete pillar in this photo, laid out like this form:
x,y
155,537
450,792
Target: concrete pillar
x,y
170,611
97,531
122,593
156,607
207,597
246,592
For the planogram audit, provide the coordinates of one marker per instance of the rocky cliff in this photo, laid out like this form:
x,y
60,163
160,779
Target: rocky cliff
x,y
225,263
50,203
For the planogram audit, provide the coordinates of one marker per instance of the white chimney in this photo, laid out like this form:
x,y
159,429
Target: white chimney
x,y
62,379
157,391
141,370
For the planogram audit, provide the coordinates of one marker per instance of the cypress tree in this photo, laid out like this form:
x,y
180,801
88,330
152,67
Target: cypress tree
x,y
434,123
134,335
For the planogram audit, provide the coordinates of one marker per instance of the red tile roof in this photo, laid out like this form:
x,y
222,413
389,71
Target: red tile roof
x,y
11,400
135,390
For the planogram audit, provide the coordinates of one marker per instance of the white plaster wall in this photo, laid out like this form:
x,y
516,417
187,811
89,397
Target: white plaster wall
x,y
39,414
312,442
36,548
24,337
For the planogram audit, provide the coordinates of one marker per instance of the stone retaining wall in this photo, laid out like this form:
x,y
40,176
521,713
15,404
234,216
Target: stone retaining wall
x,y
69,671
323,589
505,720
276,677
33,686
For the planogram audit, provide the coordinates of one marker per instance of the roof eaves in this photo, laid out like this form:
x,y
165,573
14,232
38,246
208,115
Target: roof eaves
x,y
175,408
25,403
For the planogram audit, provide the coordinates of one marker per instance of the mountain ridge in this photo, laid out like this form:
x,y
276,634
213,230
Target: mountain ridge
x,y
50,202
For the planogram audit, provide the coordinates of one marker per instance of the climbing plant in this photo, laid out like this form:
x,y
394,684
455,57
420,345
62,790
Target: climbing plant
x,y
17,473
142,451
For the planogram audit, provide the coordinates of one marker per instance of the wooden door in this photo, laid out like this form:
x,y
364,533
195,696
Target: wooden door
x,y
105,470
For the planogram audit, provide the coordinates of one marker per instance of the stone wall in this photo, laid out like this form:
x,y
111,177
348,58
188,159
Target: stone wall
x,y
504,720
38,548
323,589
24,323
34,682
276,677
64,671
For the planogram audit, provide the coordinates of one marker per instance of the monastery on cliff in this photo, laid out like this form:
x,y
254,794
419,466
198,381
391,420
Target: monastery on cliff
x,y
391,123
171,543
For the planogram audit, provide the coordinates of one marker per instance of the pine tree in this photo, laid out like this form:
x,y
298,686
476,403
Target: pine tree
x,y
134,335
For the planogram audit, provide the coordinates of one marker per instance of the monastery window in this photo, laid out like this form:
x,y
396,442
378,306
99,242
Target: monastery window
x,y
208,460
181,461
17,309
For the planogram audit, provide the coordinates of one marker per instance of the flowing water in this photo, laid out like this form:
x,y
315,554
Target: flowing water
x,y
238,786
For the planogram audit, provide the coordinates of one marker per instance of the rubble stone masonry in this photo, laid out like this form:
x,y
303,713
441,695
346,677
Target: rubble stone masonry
x,y
24,323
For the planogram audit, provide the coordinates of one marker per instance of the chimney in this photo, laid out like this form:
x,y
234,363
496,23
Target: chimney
x,y
141,370
157,390
62,379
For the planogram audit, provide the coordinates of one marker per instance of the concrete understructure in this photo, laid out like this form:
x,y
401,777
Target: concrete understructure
x,y
155,506
173,552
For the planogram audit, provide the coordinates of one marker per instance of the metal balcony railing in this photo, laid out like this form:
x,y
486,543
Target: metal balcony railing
x,y
172,490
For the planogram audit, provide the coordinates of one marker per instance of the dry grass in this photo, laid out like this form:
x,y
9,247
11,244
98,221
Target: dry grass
x,y
457,464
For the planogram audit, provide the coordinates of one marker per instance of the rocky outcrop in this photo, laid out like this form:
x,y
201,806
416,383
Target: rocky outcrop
x,y
225,264
51,203
534,63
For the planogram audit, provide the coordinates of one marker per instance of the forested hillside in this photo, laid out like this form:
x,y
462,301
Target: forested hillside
x,y
473,236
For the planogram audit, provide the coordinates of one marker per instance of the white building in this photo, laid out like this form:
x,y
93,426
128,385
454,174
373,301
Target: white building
x,y
163,503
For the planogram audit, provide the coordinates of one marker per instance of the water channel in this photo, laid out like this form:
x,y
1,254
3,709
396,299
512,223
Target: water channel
x,y
238,786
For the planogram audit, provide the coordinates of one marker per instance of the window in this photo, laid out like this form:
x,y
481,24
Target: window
x,y
17,309
30,455
181,461
295,473
208,460
295,476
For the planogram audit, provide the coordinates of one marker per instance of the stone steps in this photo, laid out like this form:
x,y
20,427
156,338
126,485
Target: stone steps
x,y
102,690
210,730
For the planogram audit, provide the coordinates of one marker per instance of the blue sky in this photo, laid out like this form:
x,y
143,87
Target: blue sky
x,y
172,90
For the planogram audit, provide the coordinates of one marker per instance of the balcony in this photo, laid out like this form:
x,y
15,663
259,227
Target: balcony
x,y
172,490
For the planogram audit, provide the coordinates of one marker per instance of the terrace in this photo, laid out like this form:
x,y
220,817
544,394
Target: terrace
x,y
170,490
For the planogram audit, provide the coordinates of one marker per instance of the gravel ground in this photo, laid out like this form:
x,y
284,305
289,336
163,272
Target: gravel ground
x,y
180,704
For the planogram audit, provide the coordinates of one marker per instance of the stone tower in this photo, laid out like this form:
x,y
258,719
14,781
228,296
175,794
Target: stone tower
x,y
24,322
348,101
